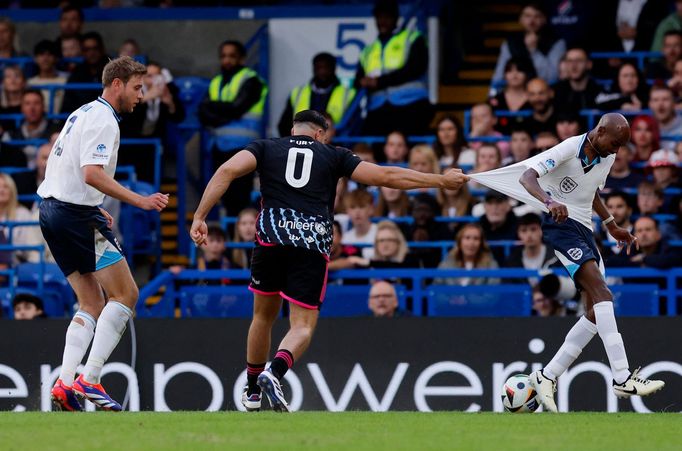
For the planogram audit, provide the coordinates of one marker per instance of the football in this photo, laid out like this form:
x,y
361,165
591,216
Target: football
x,y
518,395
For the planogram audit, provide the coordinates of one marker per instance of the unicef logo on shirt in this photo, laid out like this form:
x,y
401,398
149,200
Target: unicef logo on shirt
x,y
101,148
550,163
575,253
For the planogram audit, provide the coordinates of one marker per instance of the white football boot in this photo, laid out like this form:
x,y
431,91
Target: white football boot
x,y
545,387
637,386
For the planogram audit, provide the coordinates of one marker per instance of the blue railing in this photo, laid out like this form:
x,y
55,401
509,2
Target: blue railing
x,y
416,279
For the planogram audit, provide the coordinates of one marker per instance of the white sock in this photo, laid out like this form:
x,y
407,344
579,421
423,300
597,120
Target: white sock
x,y
574,343
110,327
78,338
613,342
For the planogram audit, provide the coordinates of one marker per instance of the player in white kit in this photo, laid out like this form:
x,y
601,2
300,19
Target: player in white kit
x,y
565,181
79,174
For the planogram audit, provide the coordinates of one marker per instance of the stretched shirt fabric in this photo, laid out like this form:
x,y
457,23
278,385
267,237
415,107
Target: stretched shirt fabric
x,y
565,173
298,178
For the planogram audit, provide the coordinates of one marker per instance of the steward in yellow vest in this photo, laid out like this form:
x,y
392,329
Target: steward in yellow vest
x,y
234,106
324,93
393,70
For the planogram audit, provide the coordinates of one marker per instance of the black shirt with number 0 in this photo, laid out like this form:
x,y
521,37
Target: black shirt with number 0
x,y
298,178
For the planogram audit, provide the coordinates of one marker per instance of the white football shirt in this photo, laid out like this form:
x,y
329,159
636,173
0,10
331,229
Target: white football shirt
x,y
90,137
565,174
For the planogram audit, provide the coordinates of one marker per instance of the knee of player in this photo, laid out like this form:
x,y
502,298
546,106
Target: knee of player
x,y
304,330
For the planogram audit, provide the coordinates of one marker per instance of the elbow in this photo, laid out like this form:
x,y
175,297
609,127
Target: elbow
x,y
89,176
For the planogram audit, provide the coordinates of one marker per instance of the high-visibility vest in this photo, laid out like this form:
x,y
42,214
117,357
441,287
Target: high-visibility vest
x,y
339,100
377,59
242,131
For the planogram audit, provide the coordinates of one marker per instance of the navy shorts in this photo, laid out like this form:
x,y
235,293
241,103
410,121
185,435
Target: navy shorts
x,y
297,274
573,243
78,237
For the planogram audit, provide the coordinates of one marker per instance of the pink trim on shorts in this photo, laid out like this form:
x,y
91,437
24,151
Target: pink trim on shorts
x,y
264,293
324,285
299,303
263,243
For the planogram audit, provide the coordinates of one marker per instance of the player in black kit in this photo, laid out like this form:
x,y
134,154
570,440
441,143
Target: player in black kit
x,y
298,177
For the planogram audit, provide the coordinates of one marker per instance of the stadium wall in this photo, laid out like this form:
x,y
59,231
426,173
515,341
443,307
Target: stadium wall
x,y
353,364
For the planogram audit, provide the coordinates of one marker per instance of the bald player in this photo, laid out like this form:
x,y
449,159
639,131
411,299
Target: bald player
x,y
567,179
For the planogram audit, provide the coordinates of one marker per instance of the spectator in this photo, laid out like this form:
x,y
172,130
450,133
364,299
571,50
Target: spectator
x,y
521,147
635,24
34,125
455,203
545,140
359,207
651,201
45,55
383,301
536,43
342,257
498,222
71,21
393,69
567,125
244,232
89,71
645,132
675,84
395,149
423,159
514,96
450,146
27,306
10,210
213,252
540,97
618,205
233,110
483,123
621,177
628,91
393,203
130,48
13,86
672,51
424,227
364,152
533,253
663,166
662,106
150,119
70,49
324,93
8,34
488,158
544,306
672,22
471,251
580,90
390,248
653,251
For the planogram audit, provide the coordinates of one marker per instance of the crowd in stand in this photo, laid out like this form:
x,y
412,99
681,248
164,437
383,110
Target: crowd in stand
x,y
544,81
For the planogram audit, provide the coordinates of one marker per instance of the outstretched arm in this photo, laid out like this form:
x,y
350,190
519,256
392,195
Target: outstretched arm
x,y
401,178
95,176
241,164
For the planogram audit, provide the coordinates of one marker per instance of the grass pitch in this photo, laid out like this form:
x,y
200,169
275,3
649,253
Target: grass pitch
x,y
348,430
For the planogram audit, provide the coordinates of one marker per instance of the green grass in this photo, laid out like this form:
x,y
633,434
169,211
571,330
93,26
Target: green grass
x,y
349,430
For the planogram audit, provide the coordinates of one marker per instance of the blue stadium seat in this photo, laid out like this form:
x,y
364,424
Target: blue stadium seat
x,y
351,300
191,91
479,300
6,303
58,297
635,300
216,301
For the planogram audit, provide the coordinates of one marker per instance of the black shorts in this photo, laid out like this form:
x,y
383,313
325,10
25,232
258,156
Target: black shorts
x,y
78,237
298,275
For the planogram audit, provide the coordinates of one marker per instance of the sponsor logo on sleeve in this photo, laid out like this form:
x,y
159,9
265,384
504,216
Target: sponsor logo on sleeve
x,y
550,163
100,152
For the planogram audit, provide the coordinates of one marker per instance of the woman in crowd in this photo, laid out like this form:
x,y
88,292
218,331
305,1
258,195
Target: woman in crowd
x,y
395,149
13,87
514,96
450,146
393,203
645,137
488,157
470,252
11,210
628,91
244,232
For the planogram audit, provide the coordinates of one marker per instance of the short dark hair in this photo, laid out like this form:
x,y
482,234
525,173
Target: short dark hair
x,y
236,44
46,46
216,232
69,7
652,219
124,68
28,298
93,35
677,33
35,91
529,219
621,194
312,117
325,57
389,7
